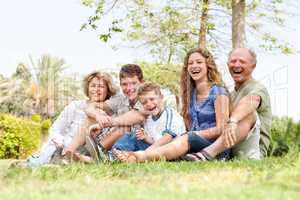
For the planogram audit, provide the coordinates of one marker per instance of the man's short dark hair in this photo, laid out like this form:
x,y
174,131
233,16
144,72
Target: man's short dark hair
x,y
131,70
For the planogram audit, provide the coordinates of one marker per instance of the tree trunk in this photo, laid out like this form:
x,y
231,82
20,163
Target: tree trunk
x,y
203,24
238,23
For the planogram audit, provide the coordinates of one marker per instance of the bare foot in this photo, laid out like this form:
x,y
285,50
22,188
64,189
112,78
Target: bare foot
x,y
125,156
71,156
84,158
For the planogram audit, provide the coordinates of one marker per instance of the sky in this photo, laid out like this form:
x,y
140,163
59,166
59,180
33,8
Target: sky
x,y
37,27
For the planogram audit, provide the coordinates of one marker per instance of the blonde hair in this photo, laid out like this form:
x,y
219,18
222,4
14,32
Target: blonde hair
x,y
187,84
149,87
112,88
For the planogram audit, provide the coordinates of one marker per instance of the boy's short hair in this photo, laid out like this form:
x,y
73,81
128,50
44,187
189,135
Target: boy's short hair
x,y
131,70
149,87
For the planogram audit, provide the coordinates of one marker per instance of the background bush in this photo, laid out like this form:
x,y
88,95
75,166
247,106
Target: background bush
x,y
19,137
285,136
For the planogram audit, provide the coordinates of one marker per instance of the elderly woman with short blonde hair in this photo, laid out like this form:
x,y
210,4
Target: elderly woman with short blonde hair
x,y
98,87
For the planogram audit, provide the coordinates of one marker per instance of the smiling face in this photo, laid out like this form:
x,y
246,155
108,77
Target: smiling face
x,y
196,67
97,90
129,86
152,103
241,65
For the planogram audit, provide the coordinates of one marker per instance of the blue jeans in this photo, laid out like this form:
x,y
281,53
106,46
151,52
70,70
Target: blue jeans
x,y
197,143
129,142
44,157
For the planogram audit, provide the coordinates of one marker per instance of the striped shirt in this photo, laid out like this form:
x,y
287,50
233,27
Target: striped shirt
x,y
169,122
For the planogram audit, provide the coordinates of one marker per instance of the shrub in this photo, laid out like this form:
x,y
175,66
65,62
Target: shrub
x,y
19,137
45,125
285,136
36,118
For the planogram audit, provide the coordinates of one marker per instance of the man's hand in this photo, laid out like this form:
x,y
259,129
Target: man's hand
x,y
230,135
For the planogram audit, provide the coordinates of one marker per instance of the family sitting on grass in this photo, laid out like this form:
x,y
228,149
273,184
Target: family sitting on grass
x,y
135,126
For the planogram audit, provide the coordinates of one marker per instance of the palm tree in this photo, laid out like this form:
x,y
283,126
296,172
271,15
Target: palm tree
x,y
39,88
48,86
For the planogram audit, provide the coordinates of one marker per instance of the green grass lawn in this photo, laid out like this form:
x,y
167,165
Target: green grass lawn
x,y
272,178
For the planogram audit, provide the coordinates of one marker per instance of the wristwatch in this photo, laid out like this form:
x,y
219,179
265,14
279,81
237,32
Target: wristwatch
x,y
232,121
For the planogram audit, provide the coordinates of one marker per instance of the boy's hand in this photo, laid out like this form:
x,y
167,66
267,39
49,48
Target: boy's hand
x,y
140,134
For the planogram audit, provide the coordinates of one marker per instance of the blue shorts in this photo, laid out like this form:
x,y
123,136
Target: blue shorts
x,y
196,143
129,142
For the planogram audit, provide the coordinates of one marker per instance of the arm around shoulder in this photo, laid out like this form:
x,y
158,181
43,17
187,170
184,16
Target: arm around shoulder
x,y
129,118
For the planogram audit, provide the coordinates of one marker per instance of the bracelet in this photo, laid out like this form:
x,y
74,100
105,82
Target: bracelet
x,y
232,121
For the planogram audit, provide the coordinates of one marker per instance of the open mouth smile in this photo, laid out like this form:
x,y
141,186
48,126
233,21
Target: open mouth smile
x,y
237,70
195,71
152,109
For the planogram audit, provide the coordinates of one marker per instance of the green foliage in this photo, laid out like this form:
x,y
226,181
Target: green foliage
x,y
15,106
285,136
271,43
36,118
46,124
12,92
166,75
162,27
19,137
40,88
169,28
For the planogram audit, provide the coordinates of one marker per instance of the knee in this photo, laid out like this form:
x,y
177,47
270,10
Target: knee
x,y
181,140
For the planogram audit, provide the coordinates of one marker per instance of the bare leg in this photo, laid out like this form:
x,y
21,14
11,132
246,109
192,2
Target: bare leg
x,y
79,137
170,151
111,138
243,129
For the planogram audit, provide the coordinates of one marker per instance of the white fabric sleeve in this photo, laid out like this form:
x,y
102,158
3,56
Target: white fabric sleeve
x,y
176,125
58,128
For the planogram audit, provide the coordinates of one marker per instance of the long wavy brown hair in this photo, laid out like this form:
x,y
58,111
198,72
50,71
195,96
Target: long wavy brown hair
x,y
187,84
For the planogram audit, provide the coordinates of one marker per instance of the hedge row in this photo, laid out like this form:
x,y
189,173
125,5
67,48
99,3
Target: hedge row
x,y
19,137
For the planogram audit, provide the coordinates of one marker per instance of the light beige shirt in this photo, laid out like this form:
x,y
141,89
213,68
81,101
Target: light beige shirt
x,y
119,104
264,110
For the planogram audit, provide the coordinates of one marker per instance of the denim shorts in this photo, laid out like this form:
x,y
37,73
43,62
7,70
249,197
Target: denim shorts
x,y
196,143
129,142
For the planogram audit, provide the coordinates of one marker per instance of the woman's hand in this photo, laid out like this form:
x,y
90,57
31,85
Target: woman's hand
x,y
94,130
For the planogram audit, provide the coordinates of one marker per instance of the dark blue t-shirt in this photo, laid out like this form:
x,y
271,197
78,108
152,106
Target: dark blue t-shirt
x,y
203,114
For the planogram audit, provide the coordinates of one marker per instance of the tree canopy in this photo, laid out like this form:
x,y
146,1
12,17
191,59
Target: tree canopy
x,y
169,28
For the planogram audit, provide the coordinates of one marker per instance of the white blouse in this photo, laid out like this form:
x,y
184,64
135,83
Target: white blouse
x,y
68,122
